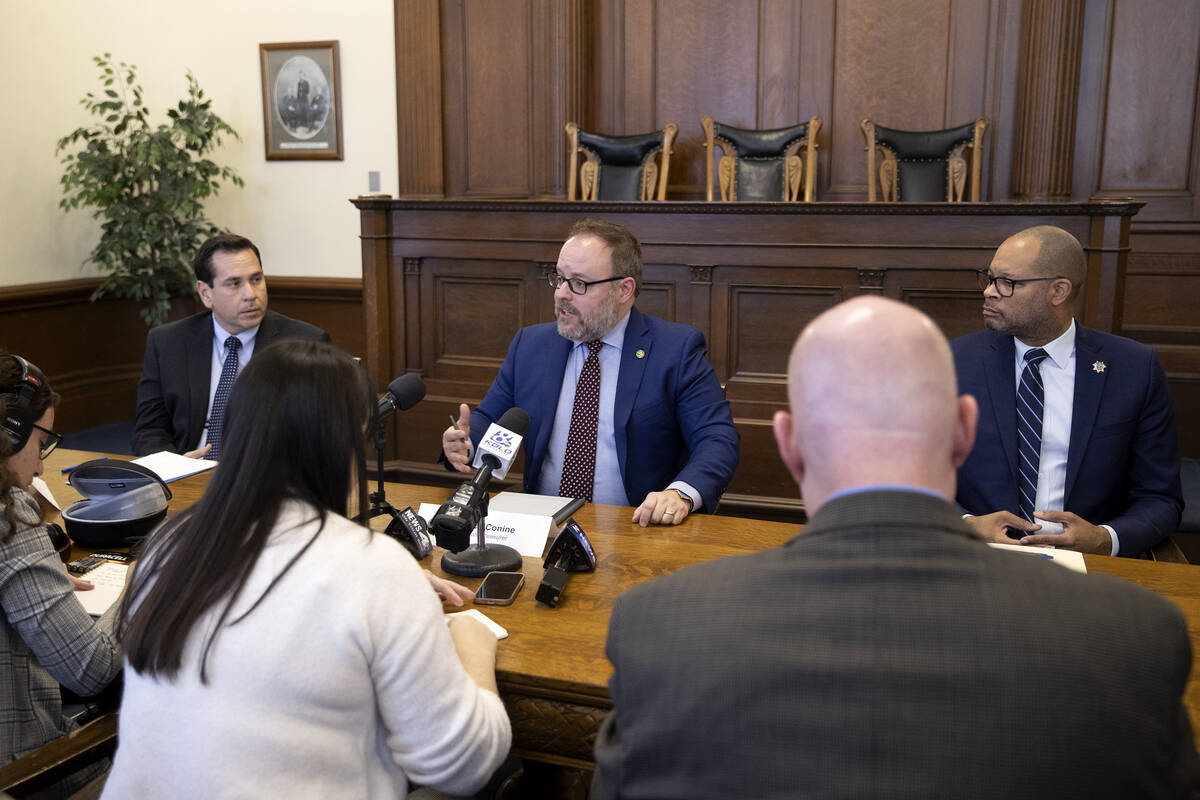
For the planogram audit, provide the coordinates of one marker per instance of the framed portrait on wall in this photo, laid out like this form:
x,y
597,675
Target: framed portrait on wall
x,y
302,100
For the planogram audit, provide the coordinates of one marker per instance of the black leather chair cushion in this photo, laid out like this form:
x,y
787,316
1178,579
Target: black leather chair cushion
x,y
759,172
621,160
922,159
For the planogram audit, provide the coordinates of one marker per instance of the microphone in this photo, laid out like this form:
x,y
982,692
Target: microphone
x,y
402,393
466,508
500,443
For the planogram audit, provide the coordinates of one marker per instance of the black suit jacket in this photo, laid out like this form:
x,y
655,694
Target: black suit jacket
x,y
887,652
173,393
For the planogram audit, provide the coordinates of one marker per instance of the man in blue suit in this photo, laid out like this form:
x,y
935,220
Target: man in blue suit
x,y
1077,446
624,408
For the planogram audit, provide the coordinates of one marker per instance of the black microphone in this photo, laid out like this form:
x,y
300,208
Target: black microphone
x,y
402,393
467,506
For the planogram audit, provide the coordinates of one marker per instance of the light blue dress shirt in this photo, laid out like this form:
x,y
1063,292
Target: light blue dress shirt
x,y
608,487
247,339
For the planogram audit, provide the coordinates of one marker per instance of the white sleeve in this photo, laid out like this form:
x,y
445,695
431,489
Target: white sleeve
x,y
442,729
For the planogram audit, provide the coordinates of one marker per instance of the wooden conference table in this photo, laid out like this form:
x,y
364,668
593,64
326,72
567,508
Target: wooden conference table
x,y
551,669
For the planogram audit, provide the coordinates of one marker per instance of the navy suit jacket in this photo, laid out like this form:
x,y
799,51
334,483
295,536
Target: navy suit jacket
x,y
1123,456
670,418
173,393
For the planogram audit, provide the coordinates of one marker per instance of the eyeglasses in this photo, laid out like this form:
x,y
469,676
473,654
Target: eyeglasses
x,y
578,285
1006,286
52,441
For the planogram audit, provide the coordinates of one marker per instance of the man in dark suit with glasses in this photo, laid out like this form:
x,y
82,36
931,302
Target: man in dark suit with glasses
x,y
1077,445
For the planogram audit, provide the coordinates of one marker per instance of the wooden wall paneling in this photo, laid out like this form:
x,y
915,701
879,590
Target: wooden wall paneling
x,y
640,35
376,242
1149,135
1004,34
705,63
1092,101
332,304
814,83
1051,53
607,73
419,98
779,66
884,51
559,87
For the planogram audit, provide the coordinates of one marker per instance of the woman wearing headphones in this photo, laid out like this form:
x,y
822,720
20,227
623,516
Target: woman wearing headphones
x,y
278,649
47,638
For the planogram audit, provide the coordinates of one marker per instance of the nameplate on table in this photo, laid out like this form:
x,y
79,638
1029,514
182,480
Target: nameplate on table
x,y
525,533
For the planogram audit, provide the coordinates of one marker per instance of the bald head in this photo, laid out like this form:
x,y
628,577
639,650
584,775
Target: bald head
x,y
1051,252
874,400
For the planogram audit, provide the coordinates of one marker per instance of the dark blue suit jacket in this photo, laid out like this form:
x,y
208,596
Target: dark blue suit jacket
x,y
671,419
1123,456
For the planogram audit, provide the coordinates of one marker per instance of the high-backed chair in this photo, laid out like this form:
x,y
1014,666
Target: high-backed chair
x,y
924,166
762,165
619,167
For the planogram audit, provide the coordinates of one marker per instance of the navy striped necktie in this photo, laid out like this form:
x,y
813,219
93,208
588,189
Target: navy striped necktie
x,y
1030,401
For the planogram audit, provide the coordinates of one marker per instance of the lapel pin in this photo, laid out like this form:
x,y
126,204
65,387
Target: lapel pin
x,y
640,353
1099,366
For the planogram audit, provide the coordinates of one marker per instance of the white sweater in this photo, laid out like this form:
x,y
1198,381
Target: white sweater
x,y
343,683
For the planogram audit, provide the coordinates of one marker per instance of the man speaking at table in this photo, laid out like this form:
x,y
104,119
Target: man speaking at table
x,y
886,650
624,407
1077,446
190,365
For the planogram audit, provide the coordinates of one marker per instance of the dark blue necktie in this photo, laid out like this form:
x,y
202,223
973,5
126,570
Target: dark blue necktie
x,y
1030,399
216,419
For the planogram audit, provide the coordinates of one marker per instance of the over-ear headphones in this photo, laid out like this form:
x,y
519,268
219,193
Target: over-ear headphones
x,y
18,415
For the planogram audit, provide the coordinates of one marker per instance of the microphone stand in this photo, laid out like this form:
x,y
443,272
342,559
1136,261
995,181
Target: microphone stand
x,y
379,504
478,561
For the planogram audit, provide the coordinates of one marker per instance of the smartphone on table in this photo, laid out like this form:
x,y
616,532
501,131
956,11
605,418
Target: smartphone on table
x,y
499,588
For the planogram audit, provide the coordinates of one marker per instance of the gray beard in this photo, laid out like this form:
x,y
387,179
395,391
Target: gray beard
x,y
589,329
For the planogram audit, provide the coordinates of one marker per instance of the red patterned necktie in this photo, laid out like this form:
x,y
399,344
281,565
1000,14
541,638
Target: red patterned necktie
x,y
579,462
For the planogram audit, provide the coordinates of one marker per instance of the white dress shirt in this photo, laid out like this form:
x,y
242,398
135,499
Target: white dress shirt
x,y
247,338
1058,378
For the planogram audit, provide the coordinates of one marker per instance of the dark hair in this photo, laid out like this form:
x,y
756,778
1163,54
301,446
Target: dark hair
x,y
1058,253
42,399
295,429
221,243
626,252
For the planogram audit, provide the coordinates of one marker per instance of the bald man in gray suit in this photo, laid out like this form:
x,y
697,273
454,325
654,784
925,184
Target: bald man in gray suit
x,y
886,651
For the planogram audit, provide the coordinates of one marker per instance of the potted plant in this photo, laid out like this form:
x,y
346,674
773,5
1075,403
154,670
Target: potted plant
x,y
148,185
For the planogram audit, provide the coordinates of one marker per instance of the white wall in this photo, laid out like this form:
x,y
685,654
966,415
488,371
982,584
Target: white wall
x,y
297,212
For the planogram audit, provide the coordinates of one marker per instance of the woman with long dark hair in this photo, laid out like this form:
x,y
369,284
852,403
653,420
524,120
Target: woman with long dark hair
x,y
46,639
277,649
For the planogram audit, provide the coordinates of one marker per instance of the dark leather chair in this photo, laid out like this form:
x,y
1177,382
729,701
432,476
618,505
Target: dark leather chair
x,y
762,164
924,166
619,167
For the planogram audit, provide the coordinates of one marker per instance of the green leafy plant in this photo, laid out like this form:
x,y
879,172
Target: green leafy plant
x,y
148,185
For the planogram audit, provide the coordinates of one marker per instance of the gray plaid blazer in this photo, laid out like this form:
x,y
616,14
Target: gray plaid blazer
x,y
46,639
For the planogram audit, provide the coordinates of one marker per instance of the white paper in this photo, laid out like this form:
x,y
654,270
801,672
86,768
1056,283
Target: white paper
x,y
476,614
109,579
172,466
545,505
1064,558
525,533
40,486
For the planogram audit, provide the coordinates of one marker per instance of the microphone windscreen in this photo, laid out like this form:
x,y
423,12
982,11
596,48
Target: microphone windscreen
x,y
408,390
516,420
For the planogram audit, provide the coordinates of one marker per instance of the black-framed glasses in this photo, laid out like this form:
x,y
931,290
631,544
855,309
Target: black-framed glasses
x,y
52,441
578,285
1006,286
